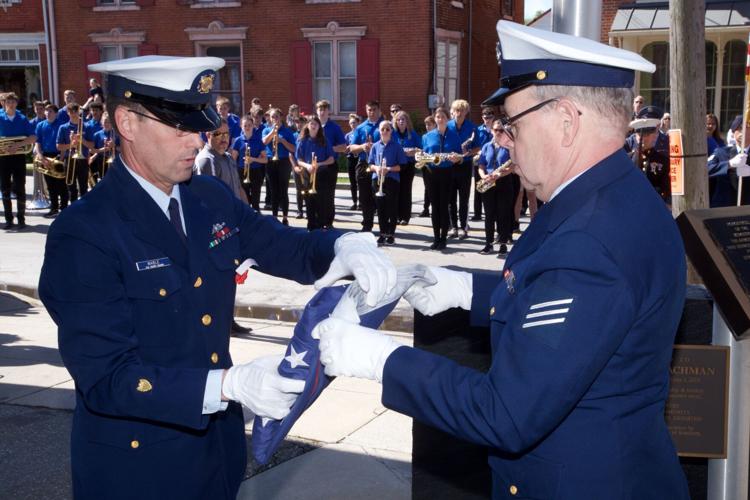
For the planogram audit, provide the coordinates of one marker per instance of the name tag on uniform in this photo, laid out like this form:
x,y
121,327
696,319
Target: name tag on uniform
x,y
147,265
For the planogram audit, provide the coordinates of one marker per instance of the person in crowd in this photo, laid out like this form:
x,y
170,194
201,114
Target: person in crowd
x,y
462,173
352,159
46,152
13,123
336,138
429,125
39,115
73,137
395,108
280,143
638,102
386,159
666,123
105,149
498,200
649,150
445,142
140,281
364,137
725,165
292,117
69,97
249,147
298,173
405,135
315,155
582,319
224,107
484,135
713,135
94,123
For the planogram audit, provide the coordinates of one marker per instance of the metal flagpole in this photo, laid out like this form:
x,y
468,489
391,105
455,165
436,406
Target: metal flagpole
x,y
745,112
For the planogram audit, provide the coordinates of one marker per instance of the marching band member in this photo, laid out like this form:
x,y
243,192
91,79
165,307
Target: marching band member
x,y
250,138
94,124
395,108
364,137
409,140
429,125
67,143
337,140
224,106
69,97
279,141
298,173
45,151
385,159
441,140
39,115
13,165
498,200
351,159
484,135
292,117
462,173
104,148
313,143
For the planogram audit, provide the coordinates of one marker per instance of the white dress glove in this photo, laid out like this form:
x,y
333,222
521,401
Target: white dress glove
x,y
259,386
738,160
350,350
452,289
357,255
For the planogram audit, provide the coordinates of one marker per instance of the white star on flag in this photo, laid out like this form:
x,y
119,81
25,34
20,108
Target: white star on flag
x,y
296,359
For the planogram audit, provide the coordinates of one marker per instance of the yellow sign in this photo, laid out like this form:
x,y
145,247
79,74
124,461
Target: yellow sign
x,y
676,162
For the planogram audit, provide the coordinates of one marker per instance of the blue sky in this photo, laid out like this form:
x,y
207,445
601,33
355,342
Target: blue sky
x,y
531,6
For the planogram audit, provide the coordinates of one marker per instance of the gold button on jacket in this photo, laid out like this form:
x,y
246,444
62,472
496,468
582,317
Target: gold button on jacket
x,y
144,385
198,282
206,319
513,489
134,444
214,358
492,311
162,292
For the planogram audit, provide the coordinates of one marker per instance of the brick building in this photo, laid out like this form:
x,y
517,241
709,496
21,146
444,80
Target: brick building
x,y
282,51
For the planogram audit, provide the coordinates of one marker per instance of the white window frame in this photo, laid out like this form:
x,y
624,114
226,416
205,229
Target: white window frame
x,y
334,34
116,5
448,37
17,61
214,4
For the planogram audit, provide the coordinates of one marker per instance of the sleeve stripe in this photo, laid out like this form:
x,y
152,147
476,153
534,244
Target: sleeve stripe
x,y
543,322
551,303
547,313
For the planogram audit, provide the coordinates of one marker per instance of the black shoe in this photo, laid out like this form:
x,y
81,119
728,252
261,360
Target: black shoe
x,y
476,218
454,233
285,221
390,240
442,245
503,250
424,213
434,245
464,234
266,207
353,207
51,214
238,329
9,225
486,250
517,226
21,226
381,241
300,215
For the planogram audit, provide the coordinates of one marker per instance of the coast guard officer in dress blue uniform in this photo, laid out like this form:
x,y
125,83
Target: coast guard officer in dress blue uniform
x,y
139,277
583,317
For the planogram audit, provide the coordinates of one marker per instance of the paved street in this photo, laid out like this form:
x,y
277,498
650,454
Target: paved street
x,y
347,445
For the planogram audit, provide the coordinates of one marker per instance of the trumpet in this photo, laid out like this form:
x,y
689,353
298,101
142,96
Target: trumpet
x,y
313,175
70,166
246,179
7,142
421,158
488,182
381,178
275,143
56,168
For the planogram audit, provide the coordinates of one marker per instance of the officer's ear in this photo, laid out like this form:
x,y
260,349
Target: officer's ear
x,y
125,123
570,117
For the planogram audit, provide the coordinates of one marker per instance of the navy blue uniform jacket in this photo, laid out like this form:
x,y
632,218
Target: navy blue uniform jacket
x,y
582,321
142,318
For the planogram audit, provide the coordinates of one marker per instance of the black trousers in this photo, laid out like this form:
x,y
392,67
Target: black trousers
x,y
301,185
387,205
326,186
440,181
366,195
96,167
13,179
425,181
80,179
459,195
58,193
498,206
278,184
477,195
351,165
404,191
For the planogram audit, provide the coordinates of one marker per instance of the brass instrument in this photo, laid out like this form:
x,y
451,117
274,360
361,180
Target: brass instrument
x,y
381,178
109,159
313,175
488,182
56,168
6,142
275,144
70,166
421,158
246,171
465,144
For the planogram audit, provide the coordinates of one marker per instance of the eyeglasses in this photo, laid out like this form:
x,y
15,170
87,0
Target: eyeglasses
x,y
508,123
219,134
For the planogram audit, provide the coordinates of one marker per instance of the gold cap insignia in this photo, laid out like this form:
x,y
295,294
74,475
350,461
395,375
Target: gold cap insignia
x,y
541,75
205,84
144,385
128,94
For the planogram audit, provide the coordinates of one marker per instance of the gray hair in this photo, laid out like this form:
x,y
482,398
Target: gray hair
x,y
613,105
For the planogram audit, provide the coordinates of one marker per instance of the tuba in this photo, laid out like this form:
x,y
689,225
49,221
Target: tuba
x,y
6,142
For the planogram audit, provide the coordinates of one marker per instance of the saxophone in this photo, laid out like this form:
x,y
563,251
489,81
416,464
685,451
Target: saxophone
x,y
488,182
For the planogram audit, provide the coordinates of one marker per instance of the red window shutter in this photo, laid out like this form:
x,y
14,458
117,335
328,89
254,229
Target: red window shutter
x,y
301,75
148,49
144,3
90,56
368,72
87,3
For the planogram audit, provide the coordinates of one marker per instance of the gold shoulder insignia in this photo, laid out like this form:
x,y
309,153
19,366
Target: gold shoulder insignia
x,y
144,385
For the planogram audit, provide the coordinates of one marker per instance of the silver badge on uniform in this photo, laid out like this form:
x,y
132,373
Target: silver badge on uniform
x,y
510,280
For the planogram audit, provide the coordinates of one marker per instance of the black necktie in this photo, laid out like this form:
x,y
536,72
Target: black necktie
x,y
174,217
